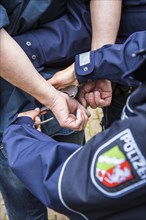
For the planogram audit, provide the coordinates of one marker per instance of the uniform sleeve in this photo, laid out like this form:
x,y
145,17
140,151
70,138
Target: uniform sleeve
x,y
36,159
4,20
105,175
58,42
81,182
113,62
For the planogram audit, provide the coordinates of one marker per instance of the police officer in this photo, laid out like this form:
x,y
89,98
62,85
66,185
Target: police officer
x,y
67,33
106,178
25,18
132,19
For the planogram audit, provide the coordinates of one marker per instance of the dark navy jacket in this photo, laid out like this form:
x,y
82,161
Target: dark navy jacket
x,y
72,28
45,42
132,19
19,16
109,62
50,32
65,32
105,179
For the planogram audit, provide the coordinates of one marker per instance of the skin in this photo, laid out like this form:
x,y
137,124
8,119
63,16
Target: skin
x,y
104,31
34,115
97,93
16,68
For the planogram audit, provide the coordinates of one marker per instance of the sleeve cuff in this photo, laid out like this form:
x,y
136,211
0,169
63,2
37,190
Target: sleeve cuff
x,y
84,66
29,43
23,120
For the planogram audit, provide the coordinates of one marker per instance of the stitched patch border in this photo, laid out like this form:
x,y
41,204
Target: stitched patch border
x,y
134,161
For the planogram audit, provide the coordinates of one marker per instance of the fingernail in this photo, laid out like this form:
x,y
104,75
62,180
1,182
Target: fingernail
x,y
101,100
37,109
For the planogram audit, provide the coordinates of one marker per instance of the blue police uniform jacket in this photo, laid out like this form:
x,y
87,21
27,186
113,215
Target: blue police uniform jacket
x,y
105,178
53,26
52,35
37,33
132,19
109,62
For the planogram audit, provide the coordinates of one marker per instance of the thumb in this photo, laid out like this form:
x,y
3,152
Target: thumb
x,y
52,81
32,113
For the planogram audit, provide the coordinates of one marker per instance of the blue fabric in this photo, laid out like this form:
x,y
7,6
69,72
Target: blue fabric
x,y
84,194
53,26
21,18
54,159
23,100
19,202
63,36
47,30
127,3
114,62
4,18
133,18
59,174
56,43
14,100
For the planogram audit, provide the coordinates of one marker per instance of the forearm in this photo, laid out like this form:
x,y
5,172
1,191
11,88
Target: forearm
x,y
113,62
105,17
52,161
16,68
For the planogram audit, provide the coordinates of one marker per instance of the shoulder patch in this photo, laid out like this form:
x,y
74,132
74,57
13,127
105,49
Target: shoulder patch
x,y
118,166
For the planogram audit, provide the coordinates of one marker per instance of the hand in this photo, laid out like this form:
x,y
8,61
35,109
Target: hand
x,y
96,94
64,107
64,78
34,115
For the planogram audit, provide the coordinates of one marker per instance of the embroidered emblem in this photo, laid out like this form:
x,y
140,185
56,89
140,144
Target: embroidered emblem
x,y
118,166
112,168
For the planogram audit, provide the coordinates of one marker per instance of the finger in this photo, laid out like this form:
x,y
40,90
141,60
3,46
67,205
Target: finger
x,y
73,122
100,101
86,111
108,100
74,105
37,120
32,113
79,120
82,100
97,98
82,119
86,119
84,114
105,102
54,82
93,99
44,110
88,87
